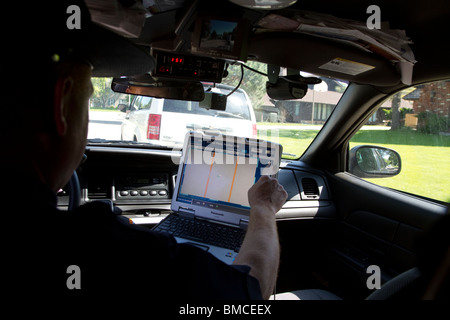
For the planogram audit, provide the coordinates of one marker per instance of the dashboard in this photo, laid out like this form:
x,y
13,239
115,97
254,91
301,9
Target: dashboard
x,y
140,182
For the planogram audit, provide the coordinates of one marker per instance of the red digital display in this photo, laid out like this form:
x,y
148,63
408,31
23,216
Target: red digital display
x,y
176,60
188,67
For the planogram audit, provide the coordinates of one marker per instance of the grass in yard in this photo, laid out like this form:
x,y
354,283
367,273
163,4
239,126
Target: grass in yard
x,y
108,109
294,142
425,161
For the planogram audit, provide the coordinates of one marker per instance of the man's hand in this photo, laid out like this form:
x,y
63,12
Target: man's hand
x,y
267,192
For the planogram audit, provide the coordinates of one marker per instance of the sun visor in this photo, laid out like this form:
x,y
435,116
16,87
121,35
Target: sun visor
x,y
68,32
126,21
116,56
323,57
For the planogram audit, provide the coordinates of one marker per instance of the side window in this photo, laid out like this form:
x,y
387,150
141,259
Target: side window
x,y
237,107
415,123
142,103
145,103
136,103
179,106
237,104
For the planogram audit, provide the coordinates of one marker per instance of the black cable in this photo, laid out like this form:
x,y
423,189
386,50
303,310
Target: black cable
x,y
240,81
254,70
296,79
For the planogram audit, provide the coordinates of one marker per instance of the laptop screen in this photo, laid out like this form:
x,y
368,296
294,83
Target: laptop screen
x,y
218,170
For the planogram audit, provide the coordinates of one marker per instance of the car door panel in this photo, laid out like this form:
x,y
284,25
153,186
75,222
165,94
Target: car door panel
x,y
304,225
376,226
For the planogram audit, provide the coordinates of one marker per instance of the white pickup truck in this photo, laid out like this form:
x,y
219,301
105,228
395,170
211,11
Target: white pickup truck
x,y
165,121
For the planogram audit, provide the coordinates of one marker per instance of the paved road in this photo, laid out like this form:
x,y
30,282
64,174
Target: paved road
x,y
105,125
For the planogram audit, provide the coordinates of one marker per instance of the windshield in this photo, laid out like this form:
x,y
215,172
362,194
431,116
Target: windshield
x,y
249,112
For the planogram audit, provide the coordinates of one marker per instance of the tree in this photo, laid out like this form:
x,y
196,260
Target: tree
x,y
253,83
395,122
102,92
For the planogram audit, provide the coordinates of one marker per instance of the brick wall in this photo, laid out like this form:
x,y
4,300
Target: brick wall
x,y
434,97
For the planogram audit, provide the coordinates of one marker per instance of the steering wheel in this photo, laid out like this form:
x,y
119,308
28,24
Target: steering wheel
x,y
74,191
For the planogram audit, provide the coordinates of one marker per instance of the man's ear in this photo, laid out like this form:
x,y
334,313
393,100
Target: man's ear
x,y
61,97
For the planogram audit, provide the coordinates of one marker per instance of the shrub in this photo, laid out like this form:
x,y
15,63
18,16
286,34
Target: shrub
x,y
432,123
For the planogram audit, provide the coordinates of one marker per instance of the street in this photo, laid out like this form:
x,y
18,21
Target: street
x,y
105,125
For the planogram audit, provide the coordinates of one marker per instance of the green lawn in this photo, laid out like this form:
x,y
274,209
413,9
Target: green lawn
x,y
294,142
425,157
425,161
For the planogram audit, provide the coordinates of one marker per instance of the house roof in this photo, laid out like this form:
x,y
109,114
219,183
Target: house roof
x,y
413,95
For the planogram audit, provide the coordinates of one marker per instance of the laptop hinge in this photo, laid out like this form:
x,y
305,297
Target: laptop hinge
x,y
243,224
186,212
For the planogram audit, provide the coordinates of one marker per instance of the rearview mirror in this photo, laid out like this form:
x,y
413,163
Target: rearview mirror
x,y
288,87
285,90
146,85
374,162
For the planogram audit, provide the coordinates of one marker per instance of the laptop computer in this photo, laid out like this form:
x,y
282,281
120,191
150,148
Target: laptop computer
x,y
210,196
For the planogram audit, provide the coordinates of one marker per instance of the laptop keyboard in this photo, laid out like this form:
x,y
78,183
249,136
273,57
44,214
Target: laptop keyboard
x,y
202,231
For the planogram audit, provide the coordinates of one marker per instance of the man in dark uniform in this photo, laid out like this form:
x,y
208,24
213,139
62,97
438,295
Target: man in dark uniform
x,y
89,252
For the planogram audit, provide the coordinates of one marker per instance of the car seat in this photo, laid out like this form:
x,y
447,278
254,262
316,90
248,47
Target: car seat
x,y
393,288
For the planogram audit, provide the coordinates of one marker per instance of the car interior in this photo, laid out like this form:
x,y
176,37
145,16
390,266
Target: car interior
x,y
334,224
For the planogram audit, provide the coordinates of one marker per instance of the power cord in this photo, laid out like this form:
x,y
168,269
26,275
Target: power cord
x,y
240,81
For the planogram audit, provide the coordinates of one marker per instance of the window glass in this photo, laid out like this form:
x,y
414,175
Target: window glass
x,y
415,123
144,103
237,107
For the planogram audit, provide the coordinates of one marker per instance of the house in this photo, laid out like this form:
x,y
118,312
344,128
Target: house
x,y
314,107
433,97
